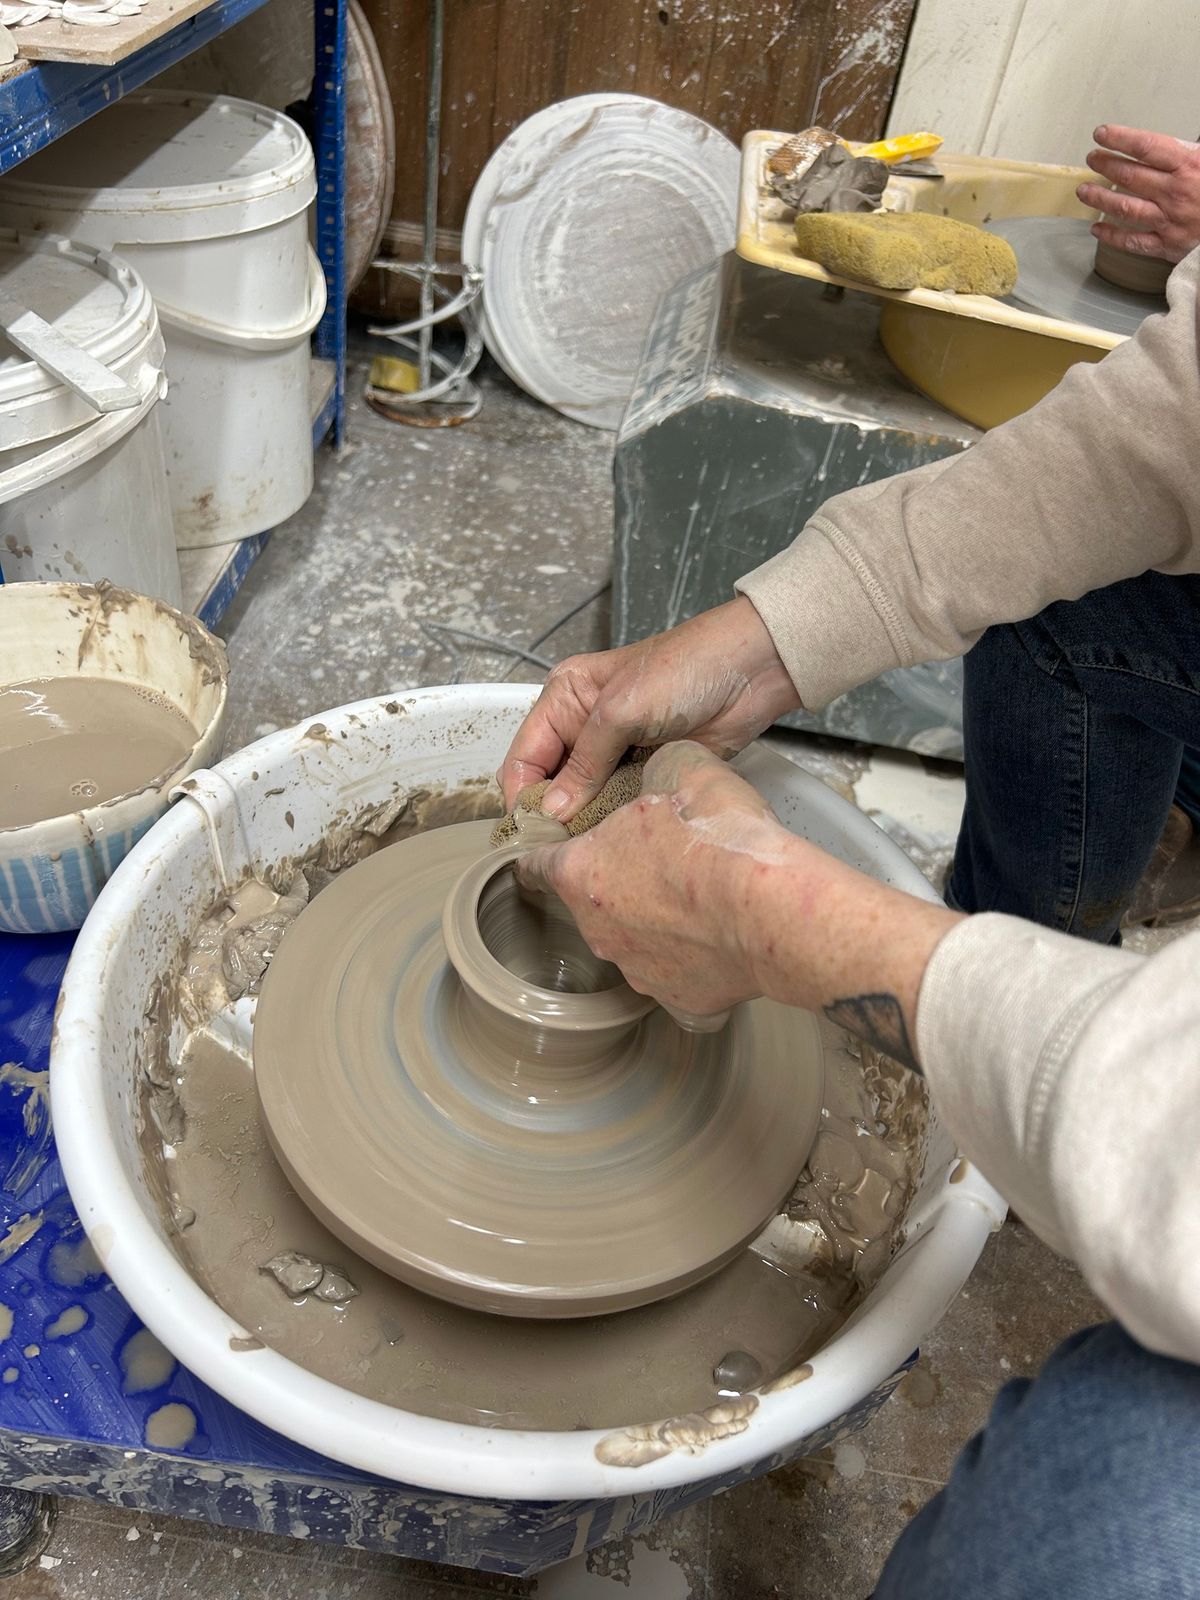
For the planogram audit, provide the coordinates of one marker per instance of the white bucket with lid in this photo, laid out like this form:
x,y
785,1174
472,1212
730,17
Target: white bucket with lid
x,y
207,197
83,490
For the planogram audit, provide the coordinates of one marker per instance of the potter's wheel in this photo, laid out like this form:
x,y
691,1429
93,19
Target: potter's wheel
x,y
517,1131
1055,258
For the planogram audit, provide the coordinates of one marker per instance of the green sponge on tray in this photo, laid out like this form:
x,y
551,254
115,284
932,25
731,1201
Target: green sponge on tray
x,y
908,250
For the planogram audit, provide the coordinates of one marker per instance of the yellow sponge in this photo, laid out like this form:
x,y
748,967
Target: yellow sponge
x,y
624,785
908,250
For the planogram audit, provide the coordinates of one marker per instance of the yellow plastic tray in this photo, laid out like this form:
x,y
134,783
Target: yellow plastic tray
x,y
982,359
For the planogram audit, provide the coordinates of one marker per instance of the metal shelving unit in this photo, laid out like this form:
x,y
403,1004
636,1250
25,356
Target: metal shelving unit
x,y
41,101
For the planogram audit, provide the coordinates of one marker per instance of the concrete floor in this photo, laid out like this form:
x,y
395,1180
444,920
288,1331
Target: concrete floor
x,y
496,528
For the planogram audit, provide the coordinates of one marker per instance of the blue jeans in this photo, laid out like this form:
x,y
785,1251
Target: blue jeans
x,y
1076,725
1084,1485
1187,794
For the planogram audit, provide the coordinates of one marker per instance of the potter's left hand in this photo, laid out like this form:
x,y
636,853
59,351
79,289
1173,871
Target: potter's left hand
x,y
703,898
1161,205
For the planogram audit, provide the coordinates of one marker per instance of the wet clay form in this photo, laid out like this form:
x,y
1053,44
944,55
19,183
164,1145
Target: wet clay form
x,y
1141,274
467,1097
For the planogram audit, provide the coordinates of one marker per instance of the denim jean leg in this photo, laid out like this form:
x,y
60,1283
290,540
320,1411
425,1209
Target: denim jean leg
x,y
1187,793
1084,1485
1066,796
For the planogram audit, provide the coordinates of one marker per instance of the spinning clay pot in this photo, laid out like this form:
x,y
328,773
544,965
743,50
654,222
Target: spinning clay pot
x,y
474,1102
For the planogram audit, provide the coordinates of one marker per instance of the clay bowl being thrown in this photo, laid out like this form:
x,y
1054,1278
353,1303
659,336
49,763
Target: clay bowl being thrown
x,y
1141,274
468,1097
1125,269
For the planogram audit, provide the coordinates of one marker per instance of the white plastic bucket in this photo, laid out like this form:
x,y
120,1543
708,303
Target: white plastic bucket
x,y
83,493
207,197
272,802
51,871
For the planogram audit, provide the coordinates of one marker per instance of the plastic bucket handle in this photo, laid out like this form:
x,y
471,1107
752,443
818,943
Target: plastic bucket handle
x,y
85,444
258,338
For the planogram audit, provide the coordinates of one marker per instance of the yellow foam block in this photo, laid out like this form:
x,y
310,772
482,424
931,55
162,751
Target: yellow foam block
x,y
394,375
908,250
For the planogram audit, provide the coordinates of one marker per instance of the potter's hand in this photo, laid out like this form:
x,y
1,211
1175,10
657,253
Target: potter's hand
x,y
702,898
1162,206
717,678
658,887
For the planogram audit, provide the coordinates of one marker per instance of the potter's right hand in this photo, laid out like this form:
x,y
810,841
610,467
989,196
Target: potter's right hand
x,y
716,679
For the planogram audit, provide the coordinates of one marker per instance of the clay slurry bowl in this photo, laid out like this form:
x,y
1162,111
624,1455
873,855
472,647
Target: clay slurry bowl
x,y
472,1100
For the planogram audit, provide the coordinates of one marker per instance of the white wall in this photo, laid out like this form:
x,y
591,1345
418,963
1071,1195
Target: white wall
x,y
1030,79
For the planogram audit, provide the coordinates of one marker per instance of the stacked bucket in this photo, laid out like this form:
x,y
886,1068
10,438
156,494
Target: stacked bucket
x,y
189,279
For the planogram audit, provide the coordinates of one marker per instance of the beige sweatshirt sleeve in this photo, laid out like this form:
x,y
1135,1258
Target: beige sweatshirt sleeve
x,y
1100,481
1070,1074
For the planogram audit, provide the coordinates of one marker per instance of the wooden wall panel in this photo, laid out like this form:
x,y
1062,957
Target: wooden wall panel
x,y
740,64
860,63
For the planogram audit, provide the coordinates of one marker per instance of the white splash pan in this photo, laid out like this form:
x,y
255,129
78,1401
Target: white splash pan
x,y
156,898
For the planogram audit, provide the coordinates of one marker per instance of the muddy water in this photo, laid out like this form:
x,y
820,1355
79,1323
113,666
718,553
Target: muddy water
x,y
66,743
395,1344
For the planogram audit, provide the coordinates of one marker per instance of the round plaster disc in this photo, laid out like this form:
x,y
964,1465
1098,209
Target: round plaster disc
x,y
581,221
1055,257
534,1190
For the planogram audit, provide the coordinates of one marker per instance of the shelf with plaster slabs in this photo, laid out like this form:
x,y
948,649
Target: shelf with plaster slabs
x,y
42,100
104,44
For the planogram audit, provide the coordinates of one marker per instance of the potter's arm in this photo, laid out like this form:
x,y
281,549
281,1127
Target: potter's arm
x,y
1068,1072
1098,482
1065,1070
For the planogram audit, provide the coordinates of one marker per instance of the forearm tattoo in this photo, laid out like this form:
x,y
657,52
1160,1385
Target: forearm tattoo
x,y
879,1020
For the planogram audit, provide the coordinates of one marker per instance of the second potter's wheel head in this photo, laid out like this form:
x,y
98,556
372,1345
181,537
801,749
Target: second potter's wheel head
x,y
515,1129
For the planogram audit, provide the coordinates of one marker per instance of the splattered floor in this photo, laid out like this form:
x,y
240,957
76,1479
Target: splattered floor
x,y
497,529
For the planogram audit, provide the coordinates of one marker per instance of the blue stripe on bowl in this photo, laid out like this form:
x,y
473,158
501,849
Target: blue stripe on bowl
x,y
40,895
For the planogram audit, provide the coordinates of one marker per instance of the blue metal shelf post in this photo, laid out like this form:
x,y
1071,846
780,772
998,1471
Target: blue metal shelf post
x,y
329,139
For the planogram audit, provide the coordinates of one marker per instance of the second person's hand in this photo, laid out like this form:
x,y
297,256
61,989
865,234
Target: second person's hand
x,y
1161,203
716,679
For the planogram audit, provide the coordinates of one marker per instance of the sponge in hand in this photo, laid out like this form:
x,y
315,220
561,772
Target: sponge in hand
x,y
624,785
909,250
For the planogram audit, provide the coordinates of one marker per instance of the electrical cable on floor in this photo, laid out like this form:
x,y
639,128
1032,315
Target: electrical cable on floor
x,y
502,645
444,635
566,617
446,643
